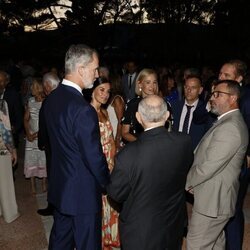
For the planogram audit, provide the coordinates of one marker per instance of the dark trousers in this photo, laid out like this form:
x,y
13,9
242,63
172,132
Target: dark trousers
x,y
234,230
82,232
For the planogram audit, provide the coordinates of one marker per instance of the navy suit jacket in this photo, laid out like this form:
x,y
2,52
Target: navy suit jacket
x,y
79,169
245,110
43,139
196,130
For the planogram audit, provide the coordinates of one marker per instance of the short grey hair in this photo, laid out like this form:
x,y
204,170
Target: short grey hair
x,y
152,110
78,54
52,79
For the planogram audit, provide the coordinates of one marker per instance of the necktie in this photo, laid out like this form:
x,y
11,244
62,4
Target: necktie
x,y
130,81
186,120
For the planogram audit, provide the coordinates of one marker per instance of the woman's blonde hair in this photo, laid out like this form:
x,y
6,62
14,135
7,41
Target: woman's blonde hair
x,y
143,73
37,87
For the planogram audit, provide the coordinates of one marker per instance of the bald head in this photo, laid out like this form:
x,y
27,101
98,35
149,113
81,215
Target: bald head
x,y
152,111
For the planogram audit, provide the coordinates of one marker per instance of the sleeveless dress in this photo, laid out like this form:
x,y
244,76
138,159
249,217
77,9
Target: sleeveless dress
x,y
112,115
110,235
34,159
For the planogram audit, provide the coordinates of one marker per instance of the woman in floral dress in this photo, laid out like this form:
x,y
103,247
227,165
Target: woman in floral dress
x,y
100,96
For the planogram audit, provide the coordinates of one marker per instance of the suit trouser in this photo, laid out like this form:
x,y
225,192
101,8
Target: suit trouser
x,y
8,205
82,232
206,233
234,229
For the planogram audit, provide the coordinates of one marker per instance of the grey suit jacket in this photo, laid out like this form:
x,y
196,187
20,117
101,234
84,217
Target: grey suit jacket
x,y
217,164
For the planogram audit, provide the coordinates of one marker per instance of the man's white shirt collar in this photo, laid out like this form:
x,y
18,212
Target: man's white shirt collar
x,y
72,84
228,112
194,104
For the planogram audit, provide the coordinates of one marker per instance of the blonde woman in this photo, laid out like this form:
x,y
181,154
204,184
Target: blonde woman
x,y
146,84
34,160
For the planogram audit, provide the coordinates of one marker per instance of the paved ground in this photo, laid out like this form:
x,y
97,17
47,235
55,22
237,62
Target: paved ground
x,y
31,231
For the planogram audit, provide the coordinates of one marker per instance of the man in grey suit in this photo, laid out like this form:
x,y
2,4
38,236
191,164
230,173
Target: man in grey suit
x,y
214,175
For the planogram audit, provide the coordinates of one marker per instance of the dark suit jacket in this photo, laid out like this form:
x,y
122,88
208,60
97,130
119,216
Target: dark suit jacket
x,y
78,166
149,179
245,110
43,137
13,99
128,93
196,130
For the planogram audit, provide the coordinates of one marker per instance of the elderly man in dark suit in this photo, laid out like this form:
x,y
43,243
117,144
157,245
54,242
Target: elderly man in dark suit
x,y
79,171
149,180
50,83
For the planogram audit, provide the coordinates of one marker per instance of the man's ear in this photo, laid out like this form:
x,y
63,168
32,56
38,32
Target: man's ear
x,y
234,98
239,79
167,115
201,89
138,117
80,70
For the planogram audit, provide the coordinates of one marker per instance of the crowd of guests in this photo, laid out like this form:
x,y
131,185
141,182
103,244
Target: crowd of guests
x,y
121,154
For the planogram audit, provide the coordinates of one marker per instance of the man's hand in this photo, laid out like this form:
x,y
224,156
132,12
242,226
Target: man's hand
x,y
190,190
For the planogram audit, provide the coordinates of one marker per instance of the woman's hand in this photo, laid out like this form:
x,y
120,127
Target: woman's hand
x,y
31,137
14,157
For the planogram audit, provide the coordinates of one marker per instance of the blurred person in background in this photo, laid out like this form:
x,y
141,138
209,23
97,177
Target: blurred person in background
x,y
8,159
34,159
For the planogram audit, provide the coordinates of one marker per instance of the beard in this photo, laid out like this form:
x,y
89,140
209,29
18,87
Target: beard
x,y
89,86
214,111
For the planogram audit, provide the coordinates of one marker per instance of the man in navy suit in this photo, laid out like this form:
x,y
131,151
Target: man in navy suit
x,y
128,81
192,90
79,171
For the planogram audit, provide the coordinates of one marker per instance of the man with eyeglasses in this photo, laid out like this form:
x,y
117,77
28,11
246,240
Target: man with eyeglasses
x,y
236,70
213,177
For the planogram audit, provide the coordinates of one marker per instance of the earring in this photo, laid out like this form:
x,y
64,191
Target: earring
x,y
140,89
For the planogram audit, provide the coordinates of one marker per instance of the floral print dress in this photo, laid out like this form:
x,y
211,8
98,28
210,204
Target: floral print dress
x,y
110,235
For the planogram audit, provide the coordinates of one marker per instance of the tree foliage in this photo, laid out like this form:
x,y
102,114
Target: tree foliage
x,y
40,14
180,11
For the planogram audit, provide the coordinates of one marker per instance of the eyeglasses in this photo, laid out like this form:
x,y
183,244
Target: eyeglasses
x,y
217,93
